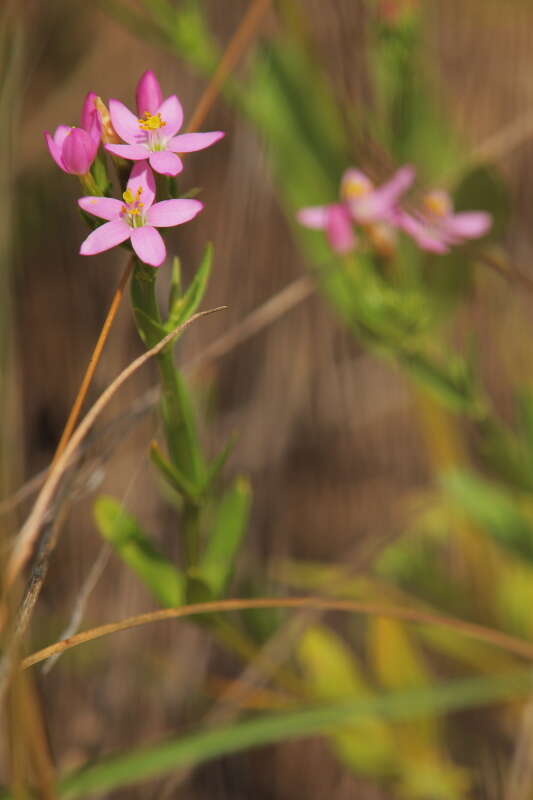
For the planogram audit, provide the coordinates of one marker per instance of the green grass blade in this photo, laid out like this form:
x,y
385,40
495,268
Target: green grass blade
x,y
150,763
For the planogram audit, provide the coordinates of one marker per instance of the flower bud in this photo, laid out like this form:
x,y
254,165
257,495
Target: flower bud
x,y
78,152
148,94
72,149
90,120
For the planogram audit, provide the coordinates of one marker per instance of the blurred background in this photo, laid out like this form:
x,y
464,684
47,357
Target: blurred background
x,y
340,449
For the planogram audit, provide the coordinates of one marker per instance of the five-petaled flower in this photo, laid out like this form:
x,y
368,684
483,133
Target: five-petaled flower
x,y
136,218
152,134
361,203
436,227
74,149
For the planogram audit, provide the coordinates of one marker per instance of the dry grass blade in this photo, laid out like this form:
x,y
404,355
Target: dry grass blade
x,y
511,644
234,50
29,533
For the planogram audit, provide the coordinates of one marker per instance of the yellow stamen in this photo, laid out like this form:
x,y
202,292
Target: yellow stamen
x,y
437,203
151,122
128,196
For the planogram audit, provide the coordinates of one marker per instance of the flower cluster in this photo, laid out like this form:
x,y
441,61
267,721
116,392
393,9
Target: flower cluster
x,y
150,139
434,227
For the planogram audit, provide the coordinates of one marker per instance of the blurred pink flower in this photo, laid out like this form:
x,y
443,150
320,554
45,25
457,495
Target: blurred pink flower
x,y
335,220
152,135
360,203
74,149
437,228
136,218
368,204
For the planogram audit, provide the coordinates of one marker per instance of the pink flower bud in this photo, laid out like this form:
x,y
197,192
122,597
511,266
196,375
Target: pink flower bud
x,y
148,94
90,121
78,152
72,149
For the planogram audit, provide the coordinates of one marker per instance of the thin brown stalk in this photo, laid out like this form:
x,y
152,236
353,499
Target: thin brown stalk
x,y
93,361
256,321
28,535
234,50
511,644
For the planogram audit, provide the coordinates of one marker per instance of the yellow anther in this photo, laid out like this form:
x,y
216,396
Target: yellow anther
x,y
128,196
355,185
437,203
151,122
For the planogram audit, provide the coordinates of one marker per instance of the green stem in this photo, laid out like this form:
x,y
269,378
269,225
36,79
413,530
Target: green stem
x,y
177,413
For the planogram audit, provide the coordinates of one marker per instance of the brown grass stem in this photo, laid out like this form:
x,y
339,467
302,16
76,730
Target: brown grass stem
x,y
511,644
28,535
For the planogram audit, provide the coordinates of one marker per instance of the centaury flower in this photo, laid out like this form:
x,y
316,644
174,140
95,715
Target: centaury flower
x,y
152,134
436,227
74,149
360,203
136,217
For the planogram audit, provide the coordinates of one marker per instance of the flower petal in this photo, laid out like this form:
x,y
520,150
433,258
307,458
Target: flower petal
x,y
142,177
103,207
468,224
339,229
90,121
55,150
426,237
133,152
148,93
191,142
315,217
168,213
105,237
380,204
125,123
166,163
61,134
172,115
78,152
149,245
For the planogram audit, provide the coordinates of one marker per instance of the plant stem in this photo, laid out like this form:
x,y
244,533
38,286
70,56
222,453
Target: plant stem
x,y
178,416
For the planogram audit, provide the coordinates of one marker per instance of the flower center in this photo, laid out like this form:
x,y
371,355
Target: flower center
x,y
437,204
151,122
355,186
133,210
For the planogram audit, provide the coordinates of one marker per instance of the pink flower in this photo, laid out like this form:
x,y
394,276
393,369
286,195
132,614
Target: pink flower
x,y
152,135
368,204
74,149
335,219
136,218
360,203
436,228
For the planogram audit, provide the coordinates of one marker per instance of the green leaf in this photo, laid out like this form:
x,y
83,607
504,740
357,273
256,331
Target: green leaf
x,y
491,507
184,307
163,579
168,757
173,475
180,423
217,464
150,329
331,672
175,283
229,527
